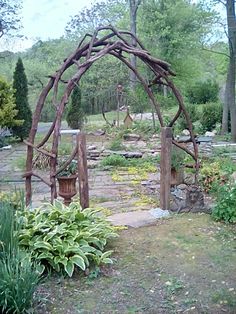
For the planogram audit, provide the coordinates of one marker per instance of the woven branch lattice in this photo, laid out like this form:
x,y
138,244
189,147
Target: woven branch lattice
x,y
90,49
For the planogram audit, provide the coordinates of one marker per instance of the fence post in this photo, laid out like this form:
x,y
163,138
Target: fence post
x,y
83,171
166,143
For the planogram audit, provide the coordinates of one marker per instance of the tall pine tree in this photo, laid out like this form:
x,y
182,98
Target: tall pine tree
x,y
21,96
75,115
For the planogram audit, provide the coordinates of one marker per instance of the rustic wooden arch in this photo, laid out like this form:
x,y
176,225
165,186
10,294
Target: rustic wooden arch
x,y
115,43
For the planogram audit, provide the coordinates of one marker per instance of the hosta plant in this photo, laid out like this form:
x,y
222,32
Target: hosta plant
x,y
64,238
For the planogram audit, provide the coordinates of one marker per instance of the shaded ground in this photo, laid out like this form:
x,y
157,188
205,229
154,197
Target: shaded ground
x,y
186,264
116,194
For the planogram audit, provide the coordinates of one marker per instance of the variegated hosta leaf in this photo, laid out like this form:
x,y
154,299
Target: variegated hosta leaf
x,y
66,237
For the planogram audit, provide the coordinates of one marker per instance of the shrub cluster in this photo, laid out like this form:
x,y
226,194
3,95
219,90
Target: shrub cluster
x,y
203,92
225,208
211,115
63,238
193,114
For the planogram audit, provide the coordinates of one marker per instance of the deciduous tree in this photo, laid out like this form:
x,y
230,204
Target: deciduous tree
x,y
230,82
9,16
133,9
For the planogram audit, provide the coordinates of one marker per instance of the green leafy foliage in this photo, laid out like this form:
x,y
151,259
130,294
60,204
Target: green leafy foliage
x,y
174,30
193,114
225,208
177,158
71,169
75,115
114,161
18,282
15,199
10,17
145,128
18,276
7,227
20,86
116,144
211,176
211,115
138,100
148,163
8,111
63,238
203,92
101,13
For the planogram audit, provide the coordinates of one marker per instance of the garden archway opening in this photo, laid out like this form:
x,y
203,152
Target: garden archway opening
x,y
104,41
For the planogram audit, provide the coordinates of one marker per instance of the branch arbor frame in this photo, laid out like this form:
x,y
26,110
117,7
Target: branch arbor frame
x,y
115,43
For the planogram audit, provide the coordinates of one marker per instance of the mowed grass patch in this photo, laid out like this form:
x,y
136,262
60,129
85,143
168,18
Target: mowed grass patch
x,y
184,264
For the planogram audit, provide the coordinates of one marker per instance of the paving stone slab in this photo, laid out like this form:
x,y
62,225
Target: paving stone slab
x,y
138,218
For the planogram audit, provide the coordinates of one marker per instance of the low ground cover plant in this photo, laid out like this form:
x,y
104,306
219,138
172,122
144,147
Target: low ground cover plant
x,y
116,144
63,238
116,160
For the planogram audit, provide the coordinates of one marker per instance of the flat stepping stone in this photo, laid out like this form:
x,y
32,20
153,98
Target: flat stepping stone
x,y
138,218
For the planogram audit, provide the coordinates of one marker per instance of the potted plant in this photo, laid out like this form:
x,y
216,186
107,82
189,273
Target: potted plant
x,y
177,166
67,181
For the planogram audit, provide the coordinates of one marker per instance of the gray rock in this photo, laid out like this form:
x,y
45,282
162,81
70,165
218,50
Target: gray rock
x,y
159,213
97,133
133,155
212,134
135,219
8,147
185,132
93,154
182,186
132,137
91,147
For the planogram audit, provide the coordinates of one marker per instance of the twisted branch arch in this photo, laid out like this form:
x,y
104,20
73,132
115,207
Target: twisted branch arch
x,y
114,43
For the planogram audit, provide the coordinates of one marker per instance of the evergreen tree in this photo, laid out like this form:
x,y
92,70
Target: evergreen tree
x,y
21,95
75,115
8,110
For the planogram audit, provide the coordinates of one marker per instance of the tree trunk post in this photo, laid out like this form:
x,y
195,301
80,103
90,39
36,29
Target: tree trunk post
x,y
83,171
166,143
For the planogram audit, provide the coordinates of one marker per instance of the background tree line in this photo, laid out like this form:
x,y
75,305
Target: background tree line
x,y
182,33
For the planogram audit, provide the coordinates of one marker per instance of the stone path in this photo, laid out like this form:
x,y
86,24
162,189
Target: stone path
x,y
129,203
122,199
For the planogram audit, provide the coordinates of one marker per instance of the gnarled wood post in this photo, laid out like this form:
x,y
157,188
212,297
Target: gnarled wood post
x,y
166,143
83,171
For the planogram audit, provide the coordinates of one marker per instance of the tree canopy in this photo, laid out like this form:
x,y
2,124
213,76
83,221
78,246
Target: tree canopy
x,y
9,16
175,31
